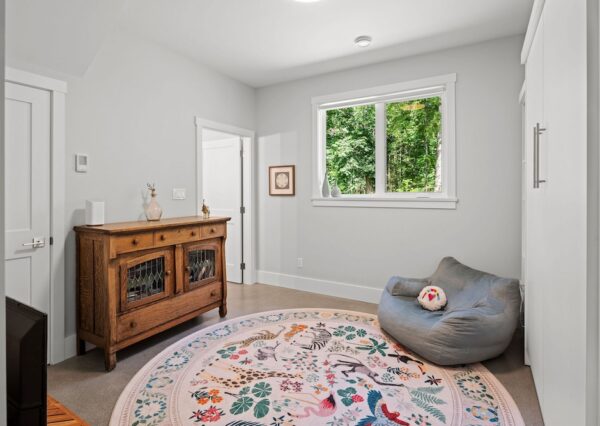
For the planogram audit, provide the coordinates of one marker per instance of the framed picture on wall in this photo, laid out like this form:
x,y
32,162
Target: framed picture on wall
x,y
282,180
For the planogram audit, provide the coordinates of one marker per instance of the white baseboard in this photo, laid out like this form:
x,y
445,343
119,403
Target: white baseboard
x,y
70,346
314,285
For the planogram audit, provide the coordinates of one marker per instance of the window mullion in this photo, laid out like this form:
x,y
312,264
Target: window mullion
x,y
322,153
380,148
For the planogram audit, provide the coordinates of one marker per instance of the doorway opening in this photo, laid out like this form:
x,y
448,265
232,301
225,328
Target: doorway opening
x,y
224,174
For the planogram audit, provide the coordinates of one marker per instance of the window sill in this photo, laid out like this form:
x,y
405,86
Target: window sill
x,y
389,203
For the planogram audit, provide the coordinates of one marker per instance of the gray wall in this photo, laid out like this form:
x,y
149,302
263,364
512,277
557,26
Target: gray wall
x,y
133,114
593,214
366,246
2,305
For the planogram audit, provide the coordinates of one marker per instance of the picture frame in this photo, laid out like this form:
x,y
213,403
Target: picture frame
x,y
282,180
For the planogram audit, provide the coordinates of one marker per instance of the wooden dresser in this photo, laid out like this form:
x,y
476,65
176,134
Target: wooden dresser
x,y
136,279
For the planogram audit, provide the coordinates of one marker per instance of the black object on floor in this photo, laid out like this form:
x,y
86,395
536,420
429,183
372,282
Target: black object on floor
x,y
26,360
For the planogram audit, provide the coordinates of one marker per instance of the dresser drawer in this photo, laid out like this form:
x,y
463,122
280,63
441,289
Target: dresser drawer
x,y
177,235
141,320
133,242
211,231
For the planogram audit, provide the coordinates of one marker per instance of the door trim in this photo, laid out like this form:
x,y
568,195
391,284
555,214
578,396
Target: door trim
x,y
534,20
58,91
248,137
524,182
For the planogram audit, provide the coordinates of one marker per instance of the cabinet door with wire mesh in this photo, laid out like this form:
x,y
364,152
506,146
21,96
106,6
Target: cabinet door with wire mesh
x,y
146,278
203,264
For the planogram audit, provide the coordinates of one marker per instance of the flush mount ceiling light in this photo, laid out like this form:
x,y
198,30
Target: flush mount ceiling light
x,y
363,41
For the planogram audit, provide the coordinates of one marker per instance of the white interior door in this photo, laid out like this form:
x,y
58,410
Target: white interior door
x,y
222,190
27,186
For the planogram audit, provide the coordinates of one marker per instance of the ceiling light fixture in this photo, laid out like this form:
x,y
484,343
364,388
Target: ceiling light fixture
x,y
363,41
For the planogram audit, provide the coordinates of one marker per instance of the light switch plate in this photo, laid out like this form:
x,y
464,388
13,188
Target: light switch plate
x,y
179,193
81,163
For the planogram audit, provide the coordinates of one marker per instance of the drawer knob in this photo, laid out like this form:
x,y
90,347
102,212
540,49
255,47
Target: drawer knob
x,y
213,293
167,273
193,233
162,238
212,230
135,241
133,324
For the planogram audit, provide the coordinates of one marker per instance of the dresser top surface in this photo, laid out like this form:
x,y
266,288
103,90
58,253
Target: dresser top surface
x,y
142,225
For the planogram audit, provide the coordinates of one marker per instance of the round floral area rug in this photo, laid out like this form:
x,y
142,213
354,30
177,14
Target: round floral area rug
x,y
307,367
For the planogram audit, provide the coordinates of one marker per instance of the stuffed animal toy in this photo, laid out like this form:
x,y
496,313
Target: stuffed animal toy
x,y
432,298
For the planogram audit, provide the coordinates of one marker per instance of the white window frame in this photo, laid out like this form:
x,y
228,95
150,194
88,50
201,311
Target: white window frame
x,y
443,86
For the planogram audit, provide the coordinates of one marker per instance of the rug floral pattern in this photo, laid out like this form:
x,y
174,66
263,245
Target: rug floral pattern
x,y
307,367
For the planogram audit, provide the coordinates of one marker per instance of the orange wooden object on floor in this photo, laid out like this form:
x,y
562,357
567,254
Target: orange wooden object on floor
x,y
59,415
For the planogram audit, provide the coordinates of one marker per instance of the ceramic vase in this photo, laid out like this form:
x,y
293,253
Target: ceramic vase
x,y
153,210
325,191
335,191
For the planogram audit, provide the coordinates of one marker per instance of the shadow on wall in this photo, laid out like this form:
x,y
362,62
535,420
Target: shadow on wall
x,y
77,218
278,215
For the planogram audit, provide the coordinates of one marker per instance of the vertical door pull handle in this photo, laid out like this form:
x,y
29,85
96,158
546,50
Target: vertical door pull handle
x,y
537,131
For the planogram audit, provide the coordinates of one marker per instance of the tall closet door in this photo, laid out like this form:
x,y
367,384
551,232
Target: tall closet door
x,y
556,248
564,157
535,213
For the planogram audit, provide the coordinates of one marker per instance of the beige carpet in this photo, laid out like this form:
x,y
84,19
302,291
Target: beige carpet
x,y
82,384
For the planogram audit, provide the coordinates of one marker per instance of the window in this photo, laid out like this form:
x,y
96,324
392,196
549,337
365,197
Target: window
x,y
350,148
389,146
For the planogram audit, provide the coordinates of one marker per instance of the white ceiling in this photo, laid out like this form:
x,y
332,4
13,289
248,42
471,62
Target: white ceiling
x,y
259,42
262,42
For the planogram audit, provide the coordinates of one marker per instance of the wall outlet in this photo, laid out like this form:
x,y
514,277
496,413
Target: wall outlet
x,y
300,262
179,193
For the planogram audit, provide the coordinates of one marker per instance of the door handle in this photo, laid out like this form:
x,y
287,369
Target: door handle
x,y
537,131
36,243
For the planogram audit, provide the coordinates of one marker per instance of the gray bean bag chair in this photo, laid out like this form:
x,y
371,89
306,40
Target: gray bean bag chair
x,y
478,322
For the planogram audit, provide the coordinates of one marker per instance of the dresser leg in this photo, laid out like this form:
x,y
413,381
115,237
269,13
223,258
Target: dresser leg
x,y
110,360
80,347
223,310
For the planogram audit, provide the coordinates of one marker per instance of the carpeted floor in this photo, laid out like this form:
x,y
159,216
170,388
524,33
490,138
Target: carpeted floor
x,y
82,384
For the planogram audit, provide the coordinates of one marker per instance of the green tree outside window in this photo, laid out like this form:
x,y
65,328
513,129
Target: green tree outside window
x,y
351,149
413,142
412,147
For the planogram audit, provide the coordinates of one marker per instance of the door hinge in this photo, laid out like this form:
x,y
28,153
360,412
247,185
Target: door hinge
x,y
243,266
242,210
51,240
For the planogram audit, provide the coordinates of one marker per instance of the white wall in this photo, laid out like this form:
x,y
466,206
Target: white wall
x,y
58,36
2,303
593,182
366,246
133,114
